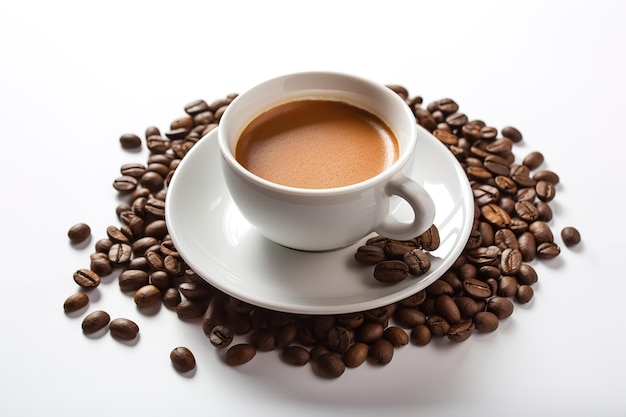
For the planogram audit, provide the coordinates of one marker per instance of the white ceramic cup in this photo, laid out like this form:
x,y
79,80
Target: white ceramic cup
x,y
325,219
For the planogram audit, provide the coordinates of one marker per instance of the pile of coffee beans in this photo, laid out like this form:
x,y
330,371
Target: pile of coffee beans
x,y
510,230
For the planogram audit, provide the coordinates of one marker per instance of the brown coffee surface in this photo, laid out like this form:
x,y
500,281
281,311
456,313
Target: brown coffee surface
x,y
316,144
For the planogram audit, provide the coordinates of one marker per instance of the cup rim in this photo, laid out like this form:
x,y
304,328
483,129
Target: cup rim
x,y
389,172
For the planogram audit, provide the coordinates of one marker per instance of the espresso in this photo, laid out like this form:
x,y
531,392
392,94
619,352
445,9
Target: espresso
x,y
316,144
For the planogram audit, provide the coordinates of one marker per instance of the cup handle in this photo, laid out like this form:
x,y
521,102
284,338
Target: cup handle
x,y
421,203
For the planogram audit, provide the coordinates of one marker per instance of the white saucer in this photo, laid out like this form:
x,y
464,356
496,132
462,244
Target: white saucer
x,y
215,240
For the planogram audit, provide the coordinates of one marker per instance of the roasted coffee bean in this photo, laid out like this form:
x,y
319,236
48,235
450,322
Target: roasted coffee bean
x,y
512,133
296,355
160,279
123,329
196,106
486,321
541,231
438,325
409,317
125,183
414,300
263,340
505,184
476,288
75,302
421,335
156,229
500,146
488,133
120,253
439,287
215,314
133,279
356,355
396,336
486,194
548,250
86,278
570,236
381,351
507,286
146,296
339,339
286,335
330,365
157,144
496,215
190,309
133,169
446,137
369,254
456,120
171,297
396,249
391,271
100,264
95,321
533,160
155,207
79,232
467,306
221,336
430,239
182,359
447,308
510,261
240,354
526,211
417,261
545,191
527,275
350,320
546,175
489,255
527,246
497,165
103,245
369,332
130,141
506,239
524,294
380,314
502,307
461,331
544,211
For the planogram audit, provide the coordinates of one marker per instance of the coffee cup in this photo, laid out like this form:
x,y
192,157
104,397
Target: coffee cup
x,y
323,215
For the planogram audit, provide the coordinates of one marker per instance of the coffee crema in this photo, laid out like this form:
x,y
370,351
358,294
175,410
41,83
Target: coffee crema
x,y
316,144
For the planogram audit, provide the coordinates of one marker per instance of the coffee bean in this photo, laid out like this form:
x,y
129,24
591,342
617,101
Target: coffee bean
x,y
467,306
546,175
409,317
396,336
545,190
296,355
330,365
421,335
133,279
510,261
548,250
75,302
391,271
512,133
356,355
461,331
485,321
130,141
438,325
171,298
86,278
476,288
507,286
79,232
570,236
541,231
239,354
123,329
182,359
95,321
527,275
500,306
430,239
447,308
100,264
146,296
495,215
120,253
533,160
190,309
417,261
369,254
221,336
125,183
263,340
524,294
381,351
506,239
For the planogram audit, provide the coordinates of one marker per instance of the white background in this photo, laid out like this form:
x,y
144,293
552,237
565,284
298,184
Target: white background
x,y
74,76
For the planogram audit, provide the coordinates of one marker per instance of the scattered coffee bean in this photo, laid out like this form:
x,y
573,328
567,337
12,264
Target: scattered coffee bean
x,y
330,365
86,278
570,236
95,321
130,141
123,329
75,302
510,230
182,359
79,232
239,354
